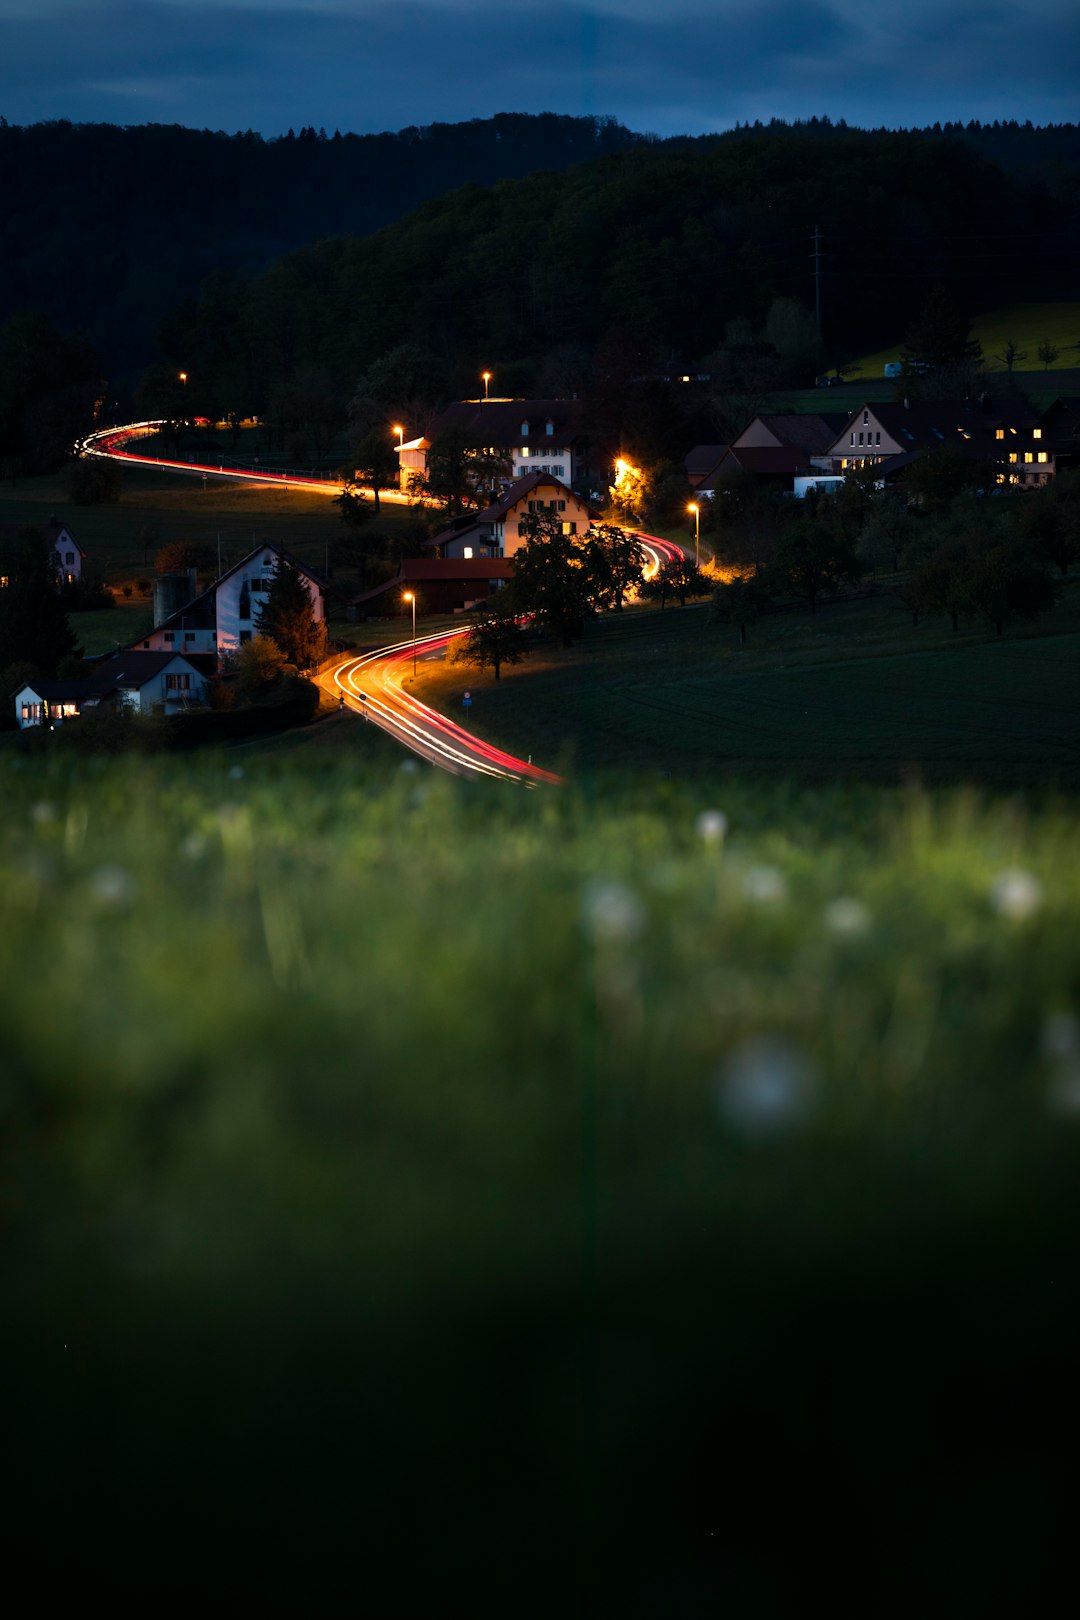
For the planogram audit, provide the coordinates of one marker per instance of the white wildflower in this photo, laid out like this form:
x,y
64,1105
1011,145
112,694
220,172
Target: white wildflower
x,y
711,826
764,885
848,917
1016,895
612,913
112,888
1061,1037
766,1087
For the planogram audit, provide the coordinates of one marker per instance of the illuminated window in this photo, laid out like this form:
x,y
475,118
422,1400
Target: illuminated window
x,y
1028,456
468,553
1012,455
1043,456
1037,434
1000,434
524,452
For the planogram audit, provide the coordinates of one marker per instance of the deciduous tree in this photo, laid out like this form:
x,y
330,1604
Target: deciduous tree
x,y
496,638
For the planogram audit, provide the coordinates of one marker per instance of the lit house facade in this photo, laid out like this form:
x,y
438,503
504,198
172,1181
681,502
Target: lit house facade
x,y
497,530
526,435
224,617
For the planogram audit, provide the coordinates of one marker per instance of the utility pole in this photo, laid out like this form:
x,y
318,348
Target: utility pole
x,y
816,256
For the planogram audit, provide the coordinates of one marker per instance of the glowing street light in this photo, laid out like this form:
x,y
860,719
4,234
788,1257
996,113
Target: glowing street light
x,y
183,376
696,509
486,375
410,596
400,431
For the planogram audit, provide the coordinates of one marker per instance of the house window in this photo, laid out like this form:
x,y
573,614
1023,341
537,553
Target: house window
x,y
1037,433
1028,456
549,428
569,528
177,683
1000,434
146,644
468,553
524,430
168,638
189,635
524,452
860,438
69,556
562,506
877,438
1012,455
853,438
1043,456
866,416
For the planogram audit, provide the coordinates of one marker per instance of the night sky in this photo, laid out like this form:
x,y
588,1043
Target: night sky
x,y
689,66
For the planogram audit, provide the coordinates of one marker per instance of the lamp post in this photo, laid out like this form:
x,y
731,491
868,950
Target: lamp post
x,y
486,375
400,431
695,508
411,597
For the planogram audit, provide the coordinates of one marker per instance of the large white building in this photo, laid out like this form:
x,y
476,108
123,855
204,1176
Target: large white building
x,y
226,615
497,532
527,435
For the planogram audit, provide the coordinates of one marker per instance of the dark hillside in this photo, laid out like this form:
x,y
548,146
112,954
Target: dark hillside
x,y
106,228
664,245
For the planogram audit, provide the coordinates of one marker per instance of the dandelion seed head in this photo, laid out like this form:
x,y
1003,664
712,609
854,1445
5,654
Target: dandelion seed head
x,y
612,913
1016,895
112,888
764,885
765,1088
847,917
711,826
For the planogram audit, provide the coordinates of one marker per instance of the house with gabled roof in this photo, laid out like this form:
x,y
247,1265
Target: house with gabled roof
x,y
145,682
65,554
225,615
440,584
496,531
529,435
880,430
812,432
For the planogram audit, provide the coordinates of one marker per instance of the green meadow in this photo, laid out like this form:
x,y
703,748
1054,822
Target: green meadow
x,y
1026,325
849,693
613,1170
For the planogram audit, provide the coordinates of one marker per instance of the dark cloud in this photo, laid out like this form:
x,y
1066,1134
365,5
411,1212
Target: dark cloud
x,y
697,65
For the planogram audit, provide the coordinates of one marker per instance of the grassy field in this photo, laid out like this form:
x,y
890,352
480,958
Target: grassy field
x,y
1027,325
421,1176
850,692
156,507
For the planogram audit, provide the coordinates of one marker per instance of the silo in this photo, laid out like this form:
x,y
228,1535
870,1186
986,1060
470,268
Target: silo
x,y
171,593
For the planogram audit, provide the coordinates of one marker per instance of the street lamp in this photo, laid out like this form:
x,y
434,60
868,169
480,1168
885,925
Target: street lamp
x,y
695,508
183,376
486,375
400,431
409,596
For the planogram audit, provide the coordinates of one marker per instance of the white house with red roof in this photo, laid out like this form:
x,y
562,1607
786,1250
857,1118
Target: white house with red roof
x,y
530,435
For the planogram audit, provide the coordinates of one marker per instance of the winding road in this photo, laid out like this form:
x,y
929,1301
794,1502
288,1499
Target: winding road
x,y
372,683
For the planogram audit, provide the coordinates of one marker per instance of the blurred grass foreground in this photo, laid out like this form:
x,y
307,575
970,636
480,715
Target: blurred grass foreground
x,y
636,1200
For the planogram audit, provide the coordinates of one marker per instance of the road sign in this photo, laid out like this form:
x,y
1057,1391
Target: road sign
x,y
467,700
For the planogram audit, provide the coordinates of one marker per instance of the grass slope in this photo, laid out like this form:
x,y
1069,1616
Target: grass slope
x,y
421,1177
852,691
1027,325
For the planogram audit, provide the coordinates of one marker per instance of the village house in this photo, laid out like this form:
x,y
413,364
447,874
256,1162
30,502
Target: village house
x,y
65,554
144,683
497,532
439,585
225,616
527,435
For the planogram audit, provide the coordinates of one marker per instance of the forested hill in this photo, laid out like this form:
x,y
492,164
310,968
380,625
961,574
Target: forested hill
x,y
666,249
107,228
